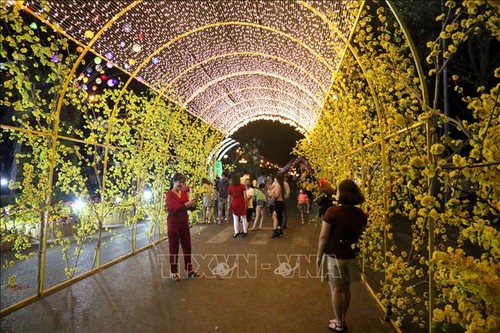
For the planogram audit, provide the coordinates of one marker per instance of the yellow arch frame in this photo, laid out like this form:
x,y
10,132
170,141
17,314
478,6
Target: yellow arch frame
x,y
253,88
260,54
292,107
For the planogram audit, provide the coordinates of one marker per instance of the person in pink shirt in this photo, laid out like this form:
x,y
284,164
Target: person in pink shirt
x,y
303,204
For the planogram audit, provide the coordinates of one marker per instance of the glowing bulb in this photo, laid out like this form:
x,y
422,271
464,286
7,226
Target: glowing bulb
x,y
137,48
89,34
147,195
78,205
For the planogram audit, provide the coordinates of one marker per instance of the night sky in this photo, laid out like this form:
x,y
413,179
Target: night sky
x,y
277,139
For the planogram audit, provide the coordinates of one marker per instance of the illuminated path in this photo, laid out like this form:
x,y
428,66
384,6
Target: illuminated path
x,y
263,293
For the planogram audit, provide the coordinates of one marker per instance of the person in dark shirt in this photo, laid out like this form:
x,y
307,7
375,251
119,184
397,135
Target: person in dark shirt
x,y
340,231
222,202
325,199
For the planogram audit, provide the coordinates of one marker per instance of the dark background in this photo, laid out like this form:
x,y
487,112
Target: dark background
x,y
274,140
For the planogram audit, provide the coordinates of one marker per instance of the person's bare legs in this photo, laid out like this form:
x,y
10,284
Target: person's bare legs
x,y
341,297
204,214
346,296
209,214
338,303
257,216
262,215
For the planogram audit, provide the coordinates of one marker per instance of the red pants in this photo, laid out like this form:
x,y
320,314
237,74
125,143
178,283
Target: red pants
x,y
179,232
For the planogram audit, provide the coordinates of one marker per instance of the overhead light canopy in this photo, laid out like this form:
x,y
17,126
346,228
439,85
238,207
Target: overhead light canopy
x,y
228,62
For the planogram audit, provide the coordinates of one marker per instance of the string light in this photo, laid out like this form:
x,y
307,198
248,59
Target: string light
x,y
285,41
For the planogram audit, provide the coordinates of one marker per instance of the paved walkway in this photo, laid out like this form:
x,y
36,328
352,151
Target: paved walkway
x,y
252,284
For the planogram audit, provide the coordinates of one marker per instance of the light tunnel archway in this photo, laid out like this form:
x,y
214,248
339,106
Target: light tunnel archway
x,y
133,141
113,123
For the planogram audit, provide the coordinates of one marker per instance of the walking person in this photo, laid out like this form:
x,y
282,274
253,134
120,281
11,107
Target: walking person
x,y
223,205
207,189
249,201
325,198
270,199
260,209
286,196
237,197
276,192
309,187
177,205
341,228
303,204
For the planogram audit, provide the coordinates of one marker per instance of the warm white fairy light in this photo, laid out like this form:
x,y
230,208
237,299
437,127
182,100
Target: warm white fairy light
x,y
287,42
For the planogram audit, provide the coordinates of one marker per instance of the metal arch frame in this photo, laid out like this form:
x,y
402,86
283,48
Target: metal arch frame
x,y
235,74
269,116
167,44
264,74
247,53
384,136
321,60
193,126
208,26
226,141
221,154
292,107
221,149
378,108
347,42
253,88
54,139
56,120
223,112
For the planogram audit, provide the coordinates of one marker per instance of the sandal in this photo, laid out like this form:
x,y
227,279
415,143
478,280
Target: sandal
x,y
193,274
175,277
332,326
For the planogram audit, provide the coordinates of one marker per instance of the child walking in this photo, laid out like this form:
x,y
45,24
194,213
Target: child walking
x,y
303,204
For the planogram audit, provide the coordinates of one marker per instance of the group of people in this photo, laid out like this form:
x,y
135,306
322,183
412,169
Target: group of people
x,y
342,226
244,200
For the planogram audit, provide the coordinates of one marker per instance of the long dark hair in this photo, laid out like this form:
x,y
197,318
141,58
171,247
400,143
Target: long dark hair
x,y
235,179
349,193
279,178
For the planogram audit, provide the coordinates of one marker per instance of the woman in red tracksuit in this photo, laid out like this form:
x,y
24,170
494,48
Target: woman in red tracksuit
x,y
177,204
